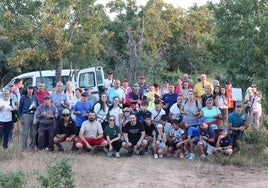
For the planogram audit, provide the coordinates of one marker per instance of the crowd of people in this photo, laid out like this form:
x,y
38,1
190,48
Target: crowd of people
x,y
181,120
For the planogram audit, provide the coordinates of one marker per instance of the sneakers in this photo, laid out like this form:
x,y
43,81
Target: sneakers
x,y
117,154
181,155
61,149
129,153
161,156
192,156
137,152
175,154
109,154
203,156
155,156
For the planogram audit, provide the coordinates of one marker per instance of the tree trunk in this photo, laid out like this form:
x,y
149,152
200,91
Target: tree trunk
x,y
58,69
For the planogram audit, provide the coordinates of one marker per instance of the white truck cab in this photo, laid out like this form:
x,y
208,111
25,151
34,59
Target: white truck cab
x,y
90,77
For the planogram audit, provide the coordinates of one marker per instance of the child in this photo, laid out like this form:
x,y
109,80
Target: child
x,y
159,141
224,143
176,136
191,138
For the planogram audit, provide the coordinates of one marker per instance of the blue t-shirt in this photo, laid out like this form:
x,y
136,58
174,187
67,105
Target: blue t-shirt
x,y
237,120
192,132
169,99
82,108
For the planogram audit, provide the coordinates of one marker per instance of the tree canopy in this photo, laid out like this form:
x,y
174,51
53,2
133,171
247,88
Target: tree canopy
x,y
162,41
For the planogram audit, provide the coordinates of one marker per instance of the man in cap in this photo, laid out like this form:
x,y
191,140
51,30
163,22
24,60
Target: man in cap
x,y
65,132
27,106
207,138
46,113
224,142
81,110
237,123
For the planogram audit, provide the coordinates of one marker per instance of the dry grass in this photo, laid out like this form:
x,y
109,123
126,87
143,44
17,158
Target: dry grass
x,y
90,170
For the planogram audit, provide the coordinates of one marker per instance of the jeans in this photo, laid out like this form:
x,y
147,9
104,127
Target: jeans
x,y
5,129
28,129
43,129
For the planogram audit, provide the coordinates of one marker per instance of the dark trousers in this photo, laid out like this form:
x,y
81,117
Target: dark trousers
x,y
116,145
42,131
5,129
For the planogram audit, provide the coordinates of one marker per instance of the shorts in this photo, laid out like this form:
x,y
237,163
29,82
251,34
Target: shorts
x,y
92,142
237,136
195,139
210,148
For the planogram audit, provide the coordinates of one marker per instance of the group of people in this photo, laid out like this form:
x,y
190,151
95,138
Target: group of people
x,y
168,120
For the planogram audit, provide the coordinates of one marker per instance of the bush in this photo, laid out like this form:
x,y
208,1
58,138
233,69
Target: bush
x,y
58,175
12,179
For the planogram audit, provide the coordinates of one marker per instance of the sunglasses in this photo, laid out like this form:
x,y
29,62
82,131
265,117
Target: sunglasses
x,y
111,119
253,86
65,115
127,111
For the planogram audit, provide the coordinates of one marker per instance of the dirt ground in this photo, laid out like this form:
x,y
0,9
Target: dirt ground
x,y
91,170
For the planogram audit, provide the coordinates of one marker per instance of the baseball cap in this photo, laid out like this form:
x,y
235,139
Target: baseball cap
x,y
136,86
65,111
209,100
224,129
30,86
84,94
238,103
201,121
47,97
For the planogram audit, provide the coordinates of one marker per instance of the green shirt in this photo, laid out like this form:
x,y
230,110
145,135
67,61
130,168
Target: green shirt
x,y
112,132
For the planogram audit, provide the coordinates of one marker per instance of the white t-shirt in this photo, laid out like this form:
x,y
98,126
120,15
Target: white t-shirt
x,y
5,113
116,113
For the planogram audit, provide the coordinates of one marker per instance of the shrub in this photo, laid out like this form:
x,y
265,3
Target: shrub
x,y
58,175
12,179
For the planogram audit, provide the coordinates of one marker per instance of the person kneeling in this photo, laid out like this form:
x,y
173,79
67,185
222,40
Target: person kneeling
x,y
159,142
113,136
224,143
91,134
65,130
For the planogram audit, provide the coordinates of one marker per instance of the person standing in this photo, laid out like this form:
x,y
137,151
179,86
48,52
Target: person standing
x,y
41,92
169,99
27,107
59,99
229,95
46,113
81,110
238,123
256,108
6,123
199,88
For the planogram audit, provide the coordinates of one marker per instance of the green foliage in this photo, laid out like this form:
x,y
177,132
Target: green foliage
x,y
59,174
12,179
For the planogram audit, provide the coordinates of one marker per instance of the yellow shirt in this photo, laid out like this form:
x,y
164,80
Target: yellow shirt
x,y
199,89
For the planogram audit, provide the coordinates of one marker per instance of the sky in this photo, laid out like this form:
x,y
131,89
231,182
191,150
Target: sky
x,y
181,3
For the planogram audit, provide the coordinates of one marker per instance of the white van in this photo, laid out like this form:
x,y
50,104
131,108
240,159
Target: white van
x,y
90,77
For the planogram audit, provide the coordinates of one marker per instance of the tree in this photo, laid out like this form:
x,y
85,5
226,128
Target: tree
x,y
47,32
241,39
